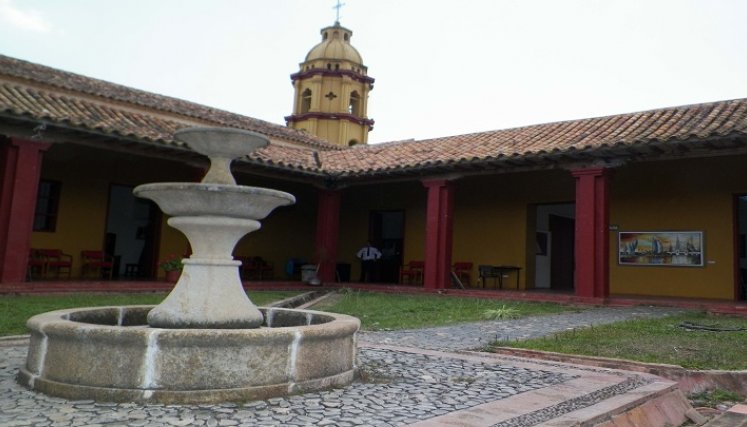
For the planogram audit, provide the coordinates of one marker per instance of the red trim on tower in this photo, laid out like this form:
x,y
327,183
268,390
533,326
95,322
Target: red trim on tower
x,y
330,116
327,233
592,232
21,162
302,75
438,233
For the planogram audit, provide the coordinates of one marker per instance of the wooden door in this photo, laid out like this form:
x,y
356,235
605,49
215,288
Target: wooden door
x,y
562,230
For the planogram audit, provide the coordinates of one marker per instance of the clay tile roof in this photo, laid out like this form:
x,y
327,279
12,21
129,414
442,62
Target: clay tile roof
x,y
284,156
45,93
40,93
667,125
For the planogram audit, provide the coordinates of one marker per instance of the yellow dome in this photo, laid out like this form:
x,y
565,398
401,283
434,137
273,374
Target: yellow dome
x,y
335,45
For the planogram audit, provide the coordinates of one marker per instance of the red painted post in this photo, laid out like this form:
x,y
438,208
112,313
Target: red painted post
x,y
21,169
438,234
327,233
592,232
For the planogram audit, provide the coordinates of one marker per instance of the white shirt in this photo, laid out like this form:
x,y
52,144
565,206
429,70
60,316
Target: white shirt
x,y
368,253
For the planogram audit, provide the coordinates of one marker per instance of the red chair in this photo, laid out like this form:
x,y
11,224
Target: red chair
x,y
412,273
56,260
96,264
463,271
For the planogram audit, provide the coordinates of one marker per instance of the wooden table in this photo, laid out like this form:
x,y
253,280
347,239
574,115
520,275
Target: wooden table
x,y
496,272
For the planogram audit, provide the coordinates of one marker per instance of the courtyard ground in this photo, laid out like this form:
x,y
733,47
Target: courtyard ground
x,y
407,377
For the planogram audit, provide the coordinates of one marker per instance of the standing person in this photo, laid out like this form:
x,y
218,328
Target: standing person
x,y
368,256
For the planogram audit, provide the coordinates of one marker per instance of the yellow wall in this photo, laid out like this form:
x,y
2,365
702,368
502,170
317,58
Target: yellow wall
x,y
86,175
288,232
490,217
683,195
493,217
356,206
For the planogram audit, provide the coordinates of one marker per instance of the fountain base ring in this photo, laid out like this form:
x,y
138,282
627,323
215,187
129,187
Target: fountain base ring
x,y
110,354
104,394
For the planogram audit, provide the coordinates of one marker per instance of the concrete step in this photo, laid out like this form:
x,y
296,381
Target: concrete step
x,y
667,410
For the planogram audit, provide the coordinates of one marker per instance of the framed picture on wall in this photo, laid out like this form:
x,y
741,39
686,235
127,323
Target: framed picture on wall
x,y
660,248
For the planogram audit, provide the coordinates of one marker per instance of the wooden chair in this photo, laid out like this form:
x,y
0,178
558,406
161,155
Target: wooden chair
x,y
36,266
463,270
96,264
412,273
257,268
244,269
57,261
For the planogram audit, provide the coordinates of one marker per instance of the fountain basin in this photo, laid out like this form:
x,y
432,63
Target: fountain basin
x,y
201,199
110,354
228,143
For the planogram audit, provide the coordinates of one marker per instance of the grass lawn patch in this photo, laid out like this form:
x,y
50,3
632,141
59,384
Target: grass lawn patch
x,y
384,311
17,309
662,340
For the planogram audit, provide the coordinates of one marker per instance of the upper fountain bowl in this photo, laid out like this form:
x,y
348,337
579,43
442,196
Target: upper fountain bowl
x,y
226,143
196,199
217,194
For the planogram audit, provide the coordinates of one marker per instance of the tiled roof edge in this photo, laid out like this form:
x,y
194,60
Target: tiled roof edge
x,y
67,80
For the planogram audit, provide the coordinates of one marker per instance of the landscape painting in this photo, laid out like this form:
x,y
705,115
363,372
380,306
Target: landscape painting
x,y
661,248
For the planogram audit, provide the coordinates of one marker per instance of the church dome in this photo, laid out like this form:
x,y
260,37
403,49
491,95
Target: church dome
x,y
335,45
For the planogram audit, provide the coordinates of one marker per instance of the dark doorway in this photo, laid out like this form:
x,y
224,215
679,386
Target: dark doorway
x,y
132,233
740,292
386,232
562,230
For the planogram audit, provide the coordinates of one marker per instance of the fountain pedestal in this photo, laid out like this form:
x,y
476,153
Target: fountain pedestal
x,y
209,293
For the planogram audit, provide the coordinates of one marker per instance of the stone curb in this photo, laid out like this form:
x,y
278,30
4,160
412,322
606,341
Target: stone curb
x,y
689,381
656,404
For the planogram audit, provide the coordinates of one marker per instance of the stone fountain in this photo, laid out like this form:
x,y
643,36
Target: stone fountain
x,y
206,342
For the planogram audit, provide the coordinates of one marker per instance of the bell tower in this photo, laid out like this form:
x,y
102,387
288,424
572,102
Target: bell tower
x,y
331,91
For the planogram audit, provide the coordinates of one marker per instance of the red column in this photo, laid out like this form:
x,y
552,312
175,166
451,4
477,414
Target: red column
x,y
327,233
21,162
592,232
438,234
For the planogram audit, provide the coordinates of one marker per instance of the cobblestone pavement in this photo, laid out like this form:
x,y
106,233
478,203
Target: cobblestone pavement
x,y
477,335
396,387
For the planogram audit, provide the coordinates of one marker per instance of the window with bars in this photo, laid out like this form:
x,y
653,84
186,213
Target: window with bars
x,y
47,201
306,101
354,107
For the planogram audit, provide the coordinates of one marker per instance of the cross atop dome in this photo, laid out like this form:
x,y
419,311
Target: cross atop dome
x,y
337,8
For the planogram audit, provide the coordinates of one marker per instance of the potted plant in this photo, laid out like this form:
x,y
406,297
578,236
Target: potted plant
x,y
172,265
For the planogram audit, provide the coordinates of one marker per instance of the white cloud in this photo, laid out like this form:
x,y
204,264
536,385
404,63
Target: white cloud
x,y
29,20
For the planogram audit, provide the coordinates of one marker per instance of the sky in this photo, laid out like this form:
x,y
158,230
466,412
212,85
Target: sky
x,y
441,68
